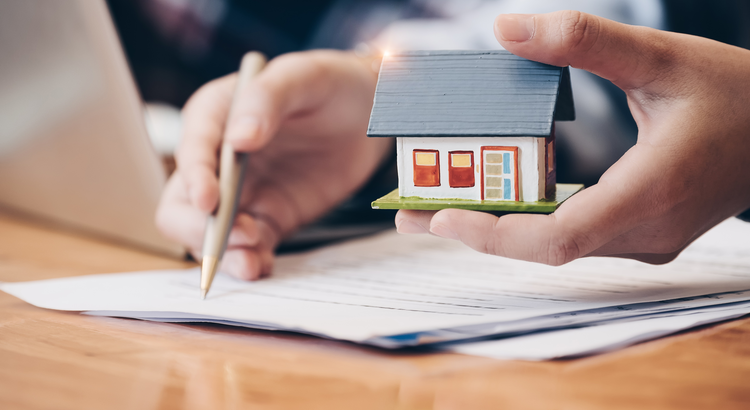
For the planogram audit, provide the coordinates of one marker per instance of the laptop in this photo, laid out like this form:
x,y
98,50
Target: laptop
x,y
73,144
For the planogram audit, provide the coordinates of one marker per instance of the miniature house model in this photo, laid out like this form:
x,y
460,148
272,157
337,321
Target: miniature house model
x,y
476,126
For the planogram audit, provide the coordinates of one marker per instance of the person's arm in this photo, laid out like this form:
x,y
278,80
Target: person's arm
x,y
688,171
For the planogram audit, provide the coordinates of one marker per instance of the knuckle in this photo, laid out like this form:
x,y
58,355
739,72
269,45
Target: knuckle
x,y
295,61
280,84
561,250
493,245
292,59
578,30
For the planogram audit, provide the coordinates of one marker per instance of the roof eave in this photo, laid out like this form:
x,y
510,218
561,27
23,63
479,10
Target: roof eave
x,y
391,135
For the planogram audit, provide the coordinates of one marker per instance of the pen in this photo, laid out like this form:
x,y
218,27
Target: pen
x,y
231,171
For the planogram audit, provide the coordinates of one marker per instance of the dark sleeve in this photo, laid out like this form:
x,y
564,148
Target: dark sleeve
x,y
727,21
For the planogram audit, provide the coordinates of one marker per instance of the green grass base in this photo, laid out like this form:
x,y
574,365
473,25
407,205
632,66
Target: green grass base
x,y
393,201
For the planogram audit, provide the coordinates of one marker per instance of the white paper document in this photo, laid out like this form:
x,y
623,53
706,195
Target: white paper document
x,y
598,338
392,290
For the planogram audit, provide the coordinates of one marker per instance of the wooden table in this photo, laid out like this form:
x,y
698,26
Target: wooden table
x,y
59,360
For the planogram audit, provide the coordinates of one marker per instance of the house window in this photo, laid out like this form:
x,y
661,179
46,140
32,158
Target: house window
x,y
461,169
426,167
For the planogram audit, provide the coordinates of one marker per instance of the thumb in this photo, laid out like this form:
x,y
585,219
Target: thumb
x,y
537,238
629,56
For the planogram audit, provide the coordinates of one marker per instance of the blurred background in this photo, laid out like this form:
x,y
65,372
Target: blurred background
x,y
175,46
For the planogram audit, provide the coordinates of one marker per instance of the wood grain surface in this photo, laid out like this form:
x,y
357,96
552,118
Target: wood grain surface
x,y
59,360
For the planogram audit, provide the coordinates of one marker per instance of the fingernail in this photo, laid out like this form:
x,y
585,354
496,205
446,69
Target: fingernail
x,y
409,227
243,129
444,232
515,27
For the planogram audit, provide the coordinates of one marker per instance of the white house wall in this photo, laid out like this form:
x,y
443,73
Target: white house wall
x,y
530,156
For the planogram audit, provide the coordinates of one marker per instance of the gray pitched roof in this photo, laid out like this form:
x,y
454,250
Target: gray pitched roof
x,y
468,93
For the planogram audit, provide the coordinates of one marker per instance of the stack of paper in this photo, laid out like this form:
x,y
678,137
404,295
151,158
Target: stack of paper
x,y
394,291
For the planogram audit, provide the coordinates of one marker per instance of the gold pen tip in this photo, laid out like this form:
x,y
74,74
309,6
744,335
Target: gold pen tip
x,y
207,274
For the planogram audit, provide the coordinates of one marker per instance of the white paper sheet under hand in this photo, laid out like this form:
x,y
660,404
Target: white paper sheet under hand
x,y
393,290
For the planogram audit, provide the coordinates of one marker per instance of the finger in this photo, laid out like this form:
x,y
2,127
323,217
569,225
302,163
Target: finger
x,y
204,117
250,263
242,263
585,222
176,218
245,231
413,222
290,84
514,236
267,258
480,235
527,237
535,238
629,56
